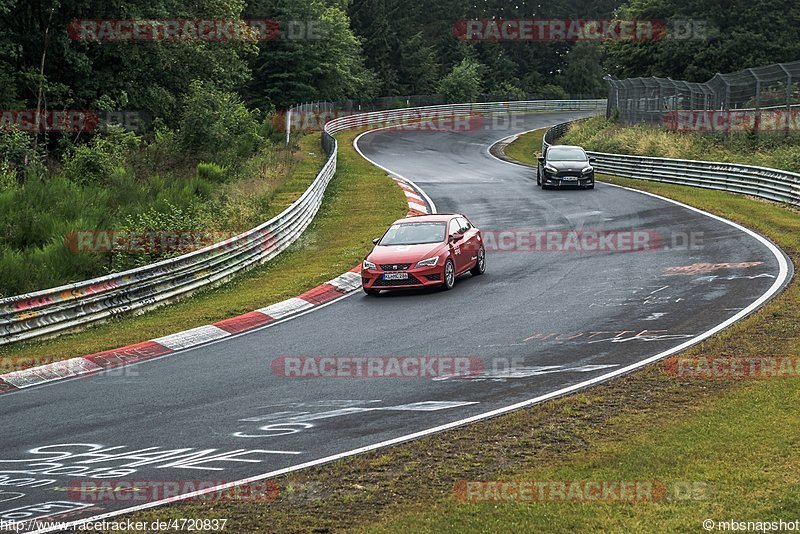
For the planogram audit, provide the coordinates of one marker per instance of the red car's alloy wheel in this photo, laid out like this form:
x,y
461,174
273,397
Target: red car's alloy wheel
x,y
449,275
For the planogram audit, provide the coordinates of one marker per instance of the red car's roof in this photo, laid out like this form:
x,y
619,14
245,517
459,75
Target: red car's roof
x,y
438,217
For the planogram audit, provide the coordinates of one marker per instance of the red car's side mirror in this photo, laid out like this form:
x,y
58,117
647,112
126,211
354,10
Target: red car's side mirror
x,y
375,241
456,237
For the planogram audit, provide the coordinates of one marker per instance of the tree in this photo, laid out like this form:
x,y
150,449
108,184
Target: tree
x,y
325,66
584,72
418,69
376,23
463,83
727,39
77,73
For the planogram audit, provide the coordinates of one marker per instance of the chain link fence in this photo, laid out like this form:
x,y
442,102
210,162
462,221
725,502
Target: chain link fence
x,y
761,99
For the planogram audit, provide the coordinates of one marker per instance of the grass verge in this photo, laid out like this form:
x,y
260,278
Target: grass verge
x,y
526,147
738,441
769,150
359,203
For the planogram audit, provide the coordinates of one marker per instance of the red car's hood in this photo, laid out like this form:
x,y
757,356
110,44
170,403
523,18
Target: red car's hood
x,y
404,253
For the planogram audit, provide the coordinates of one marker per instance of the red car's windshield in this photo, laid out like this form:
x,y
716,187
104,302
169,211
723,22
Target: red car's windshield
x,y
414,233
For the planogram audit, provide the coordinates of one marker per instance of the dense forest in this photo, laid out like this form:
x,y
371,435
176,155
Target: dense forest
x,y
366,48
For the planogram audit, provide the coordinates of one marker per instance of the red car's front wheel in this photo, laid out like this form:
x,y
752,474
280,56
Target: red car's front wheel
x,y
449,275
480,263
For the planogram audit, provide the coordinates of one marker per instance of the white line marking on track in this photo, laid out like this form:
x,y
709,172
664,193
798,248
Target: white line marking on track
x,y
391,172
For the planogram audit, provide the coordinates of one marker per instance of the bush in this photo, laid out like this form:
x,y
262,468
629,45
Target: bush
x,y
17,155
211,172
159,221
508,91
463,83
96,161
552,92
216,125
8,177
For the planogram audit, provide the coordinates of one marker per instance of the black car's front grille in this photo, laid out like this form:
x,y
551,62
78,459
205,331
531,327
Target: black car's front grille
x,y
395,266
410,281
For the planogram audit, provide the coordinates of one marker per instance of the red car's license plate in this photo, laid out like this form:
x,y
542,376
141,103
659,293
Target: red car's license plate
x,y
395,276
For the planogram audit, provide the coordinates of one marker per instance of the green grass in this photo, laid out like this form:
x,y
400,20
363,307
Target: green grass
x,y
100,187
770,150
359,203
739,438
526,147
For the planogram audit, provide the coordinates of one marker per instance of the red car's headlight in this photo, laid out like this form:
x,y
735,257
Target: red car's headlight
x,y
429,262
369,265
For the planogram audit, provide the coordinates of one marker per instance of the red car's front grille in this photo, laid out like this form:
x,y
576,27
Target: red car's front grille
x,y
395,266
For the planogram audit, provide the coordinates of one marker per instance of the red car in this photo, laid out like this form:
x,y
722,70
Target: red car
x,y
422,251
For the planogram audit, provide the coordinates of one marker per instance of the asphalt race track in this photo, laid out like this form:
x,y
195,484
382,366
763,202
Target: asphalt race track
x,y
218,412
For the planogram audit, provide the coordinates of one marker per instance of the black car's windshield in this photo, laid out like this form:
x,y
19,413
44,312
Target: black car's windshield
x,y
566,154
414,233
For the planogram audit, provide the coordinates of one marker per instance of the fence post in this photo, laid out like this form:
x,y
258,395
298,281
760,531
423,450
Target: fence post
x,y
788,98
757,100
288,125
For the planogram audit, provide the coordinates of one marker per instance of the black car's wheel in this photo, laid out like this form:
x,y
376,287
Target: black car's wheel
x,y
449,275
371,292
480,265
539,176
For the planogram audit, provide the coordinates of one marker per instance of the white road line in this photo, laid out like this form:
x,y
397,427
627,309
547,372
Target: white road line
x,y
391,172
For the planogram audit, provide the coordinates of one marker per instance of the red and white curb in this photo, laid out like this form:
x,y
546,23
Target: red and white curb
x,y
154,348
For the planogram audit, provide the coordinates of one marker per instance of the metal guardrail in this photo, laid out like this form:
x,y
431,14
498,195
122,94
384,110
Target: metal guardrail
x,y
411,115
51,311
763,182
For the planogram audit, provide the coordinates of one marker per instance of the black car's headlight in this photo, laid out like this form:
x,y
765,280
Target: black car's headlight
x,y
587,169
550,168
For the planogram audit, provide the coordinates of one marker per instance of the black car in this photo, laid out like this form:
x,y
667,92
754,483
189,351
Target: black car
x,y
565,165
